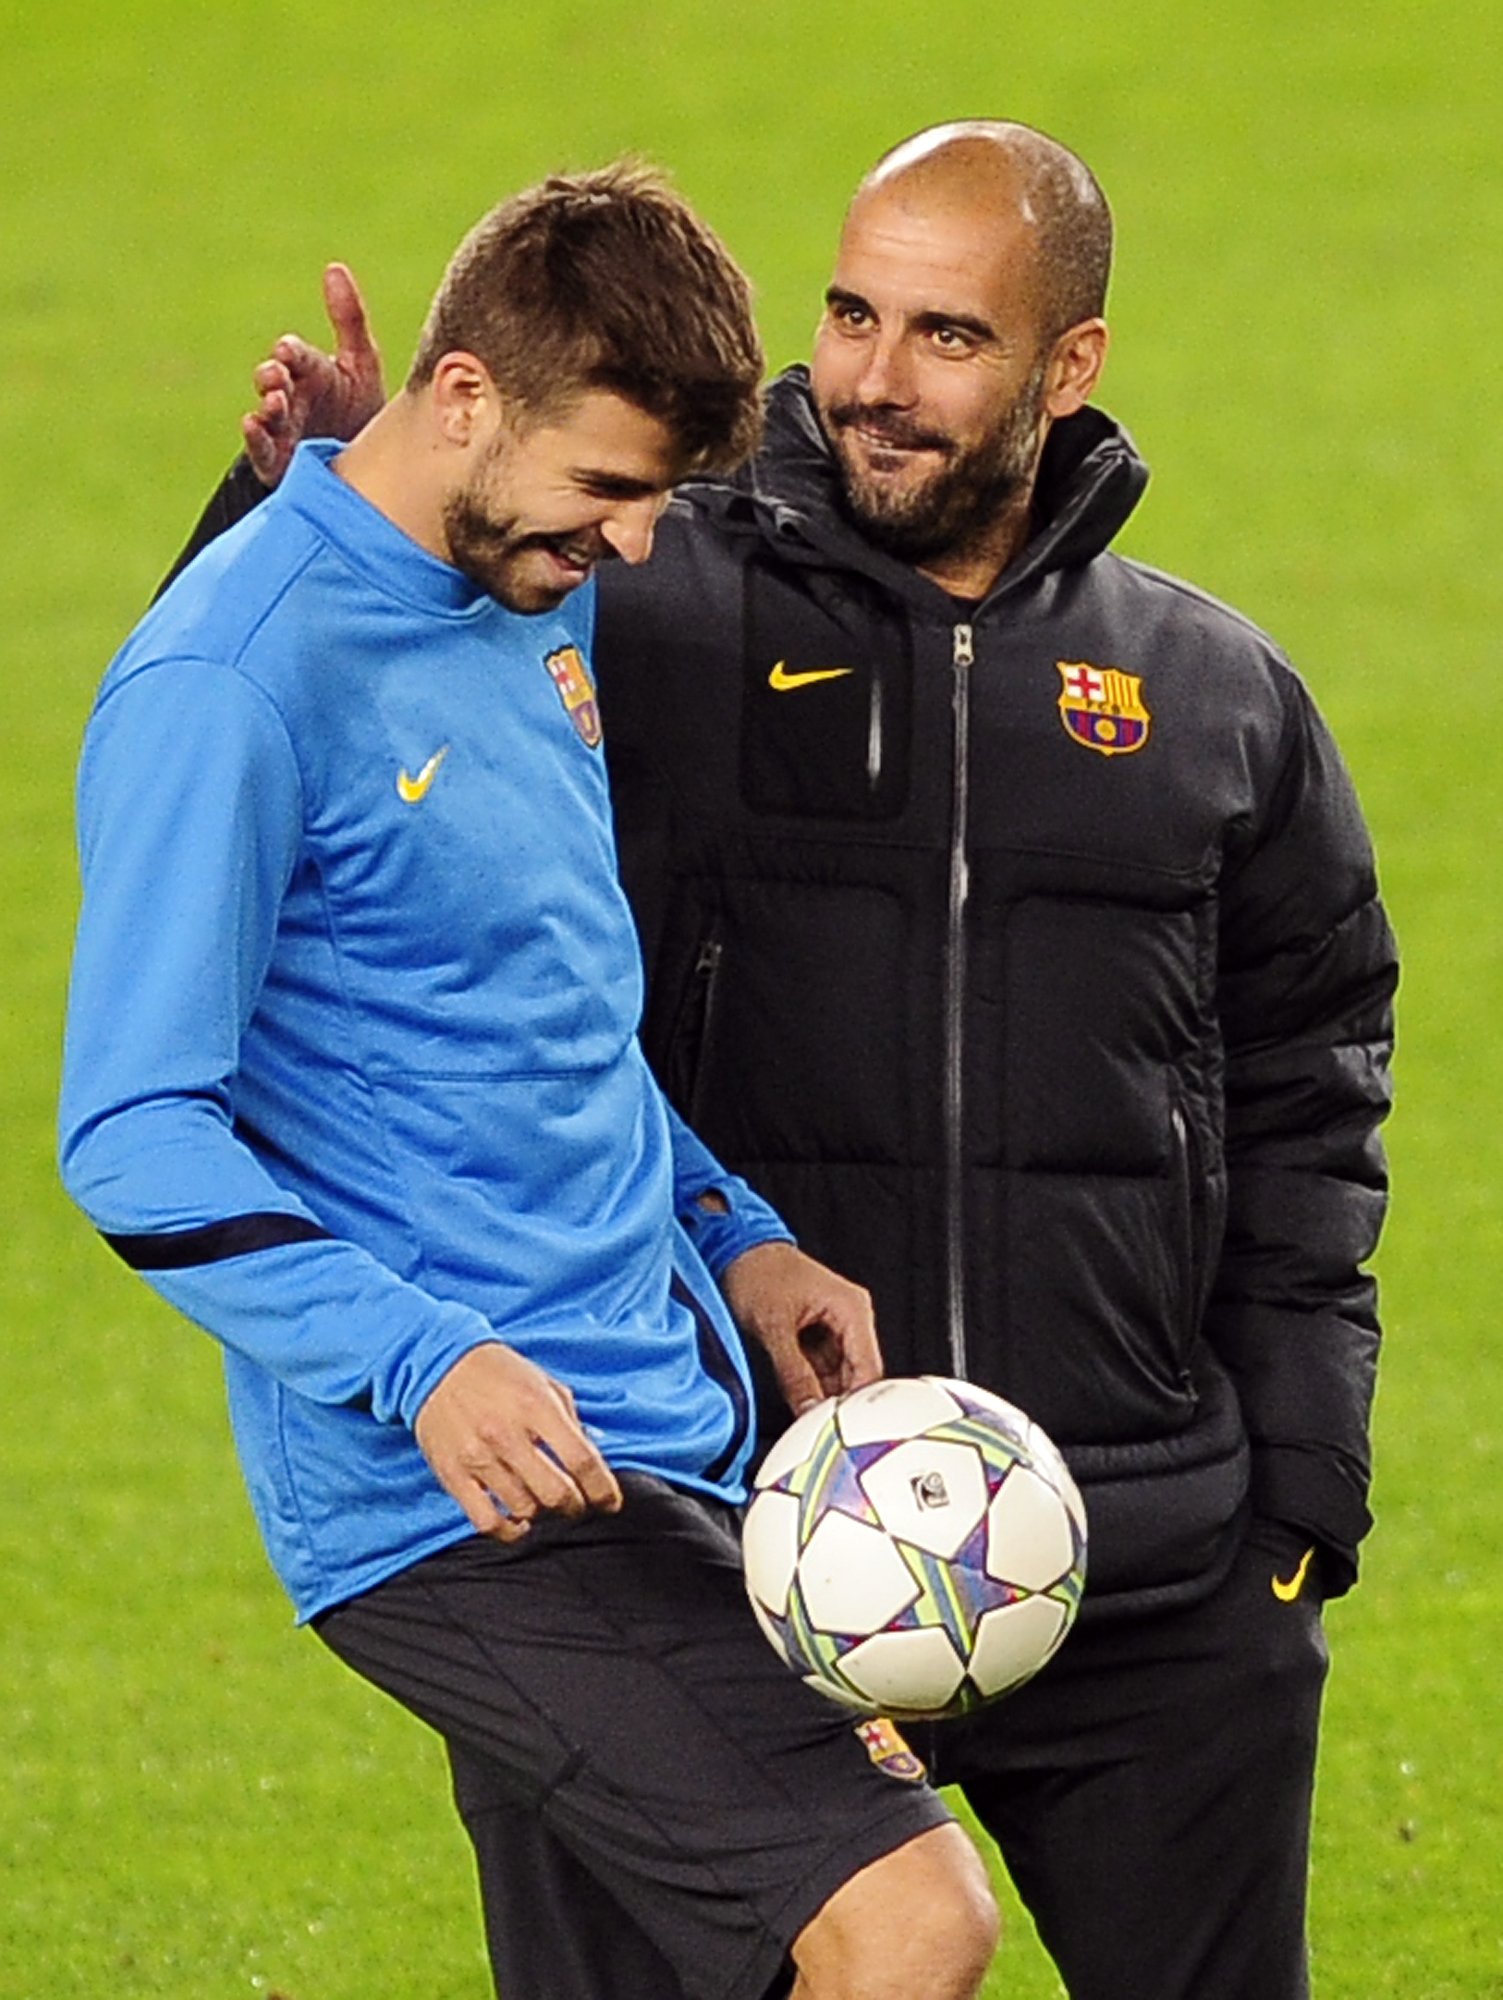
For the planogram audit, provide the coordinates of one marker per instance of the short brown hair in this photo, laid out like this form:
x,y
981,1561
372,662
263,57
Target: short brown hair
x,y
607,280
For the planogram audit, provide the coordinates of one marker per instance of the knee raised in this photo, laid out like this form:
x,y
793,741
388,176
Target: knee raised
x,y
961,1918
922,1920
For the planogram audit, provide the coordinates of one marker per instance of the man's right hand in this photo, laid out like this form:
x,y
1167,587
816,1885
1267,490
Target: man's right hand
x,y
505,1440
307,393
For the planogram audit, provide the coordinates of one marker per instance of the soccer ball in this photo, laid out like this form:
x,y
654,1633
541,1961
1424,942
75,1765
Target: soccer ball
x,y
915,1548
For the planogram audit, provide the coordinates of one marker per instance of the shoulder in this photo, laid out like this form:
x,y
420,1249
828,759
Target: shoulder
x,y
1194,632
251,619
223,602
1196,609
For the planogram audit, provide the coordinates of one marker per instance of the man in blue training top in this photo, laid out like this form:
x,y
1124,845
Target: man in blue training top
x,y
352,1077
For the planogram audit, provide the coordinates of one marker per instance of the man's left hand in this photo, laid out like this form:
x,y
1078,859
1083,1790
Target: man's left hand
x,y
816,1326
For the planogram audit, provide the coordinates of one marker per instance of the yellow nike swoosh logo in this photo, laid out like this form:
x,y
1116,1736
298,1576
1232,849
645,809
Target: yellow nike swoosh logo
x,y
782,680
1286,1592
412,789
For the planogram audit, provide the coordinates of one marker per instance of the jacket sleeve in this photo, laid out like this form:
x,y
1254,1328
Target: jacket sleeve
x,y
190,816
720,1213
232,499
1307,975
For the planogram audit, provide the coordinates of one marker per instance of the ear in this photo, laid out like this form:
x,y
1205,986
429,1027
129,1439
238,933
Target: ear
x,y
465,401
1075,367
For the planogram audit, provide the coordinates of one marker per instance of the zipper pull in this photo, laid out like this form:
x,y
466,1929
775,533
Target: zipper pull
x,y
965,654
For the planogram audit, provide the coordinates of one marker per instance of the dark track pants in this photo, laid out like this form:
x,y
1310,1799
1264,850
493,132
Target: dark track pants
x,y
1151,1793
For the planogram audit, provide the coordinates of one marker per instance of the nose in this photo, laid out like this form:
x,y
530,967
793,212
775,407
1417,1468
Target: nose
x,y
887,374
629,527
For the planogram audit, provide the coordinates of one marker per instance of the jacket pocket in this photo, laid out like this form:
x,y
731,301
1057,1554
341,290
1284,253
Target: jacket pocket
x,y
1195,1208
692,1032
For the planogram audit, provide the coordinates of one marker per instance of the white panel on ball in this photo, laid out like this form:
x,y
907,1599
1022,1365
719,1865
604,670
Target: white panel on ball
x,y
896,1408
793,1447
1014,1641
1028,1539
916,1670
770,1548
851,1576
930,1492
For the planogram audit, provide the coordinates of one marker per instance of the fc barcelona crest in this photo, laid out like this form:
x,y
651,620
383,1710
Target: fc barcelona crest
x,y
1102,708
889,1751
577,691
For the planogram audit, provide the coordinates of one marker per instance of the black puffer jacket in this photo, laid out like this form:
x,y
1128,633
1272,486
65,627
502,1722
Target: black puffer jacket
x,y
1029,958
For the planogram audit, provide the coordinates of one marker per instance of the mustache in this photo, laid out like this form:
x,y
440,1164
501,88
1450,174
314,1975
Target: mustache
x,y
881,420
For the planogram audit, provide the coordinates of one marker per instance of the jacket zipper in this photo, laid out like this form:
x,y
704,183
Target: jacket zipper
x,y
962,659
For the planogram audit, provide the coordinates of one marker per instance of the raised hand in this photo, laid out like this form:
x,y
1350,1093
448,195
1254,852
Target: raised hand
x,y
505,1440
305,392
816,1326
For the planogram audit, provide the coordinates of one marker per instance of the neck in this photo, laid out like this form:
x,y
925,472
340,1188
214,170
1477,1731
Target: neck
x,y
973,566
392,465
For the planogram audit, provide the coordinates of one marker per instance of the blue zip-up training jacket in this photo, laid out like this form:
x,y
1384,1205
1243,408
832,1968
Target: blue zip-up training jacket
x,y
352,1073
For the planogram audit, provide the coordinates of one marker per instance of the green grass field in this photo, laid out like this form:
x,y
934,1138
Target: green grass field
x,y
197,1801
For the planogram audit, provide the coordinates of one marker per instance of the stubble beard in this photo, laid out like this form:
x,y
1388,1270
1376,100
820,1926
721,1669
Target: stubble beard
x,y
962,500
492,550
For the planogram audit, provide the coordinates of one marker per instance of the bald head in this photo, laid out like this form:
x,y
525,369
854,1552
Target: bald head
x,y
1015,179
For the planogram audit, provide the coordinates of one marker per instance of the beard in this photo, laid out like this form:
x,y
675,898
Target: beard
x,y
504,560
961,499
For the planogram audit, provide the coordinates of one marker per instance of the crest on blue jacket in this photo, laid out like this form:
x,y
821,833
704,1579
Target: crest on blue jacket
x,y
1103,708
576,691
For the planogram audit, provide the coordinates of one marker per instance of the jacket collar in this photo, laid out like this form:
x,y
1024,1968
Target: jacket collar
x,y
1090,481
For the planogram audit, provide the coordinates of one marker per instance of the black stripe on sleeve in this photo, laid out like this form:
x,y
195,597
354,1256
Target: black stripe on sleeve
x,y
721,1370
176,1249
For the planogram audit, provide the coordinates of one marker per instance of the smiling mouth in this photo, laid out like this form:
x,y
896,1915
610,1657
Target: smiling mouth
x,y
882,443
576,561
884,448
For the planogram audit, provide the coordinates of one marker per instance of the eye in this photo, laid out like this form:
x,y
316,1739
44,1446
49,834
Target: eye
x,y
951,340
847,313
605,486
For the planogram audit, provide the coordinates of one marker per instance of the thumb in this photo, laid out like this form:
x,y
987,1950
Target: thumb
x,y
797,1379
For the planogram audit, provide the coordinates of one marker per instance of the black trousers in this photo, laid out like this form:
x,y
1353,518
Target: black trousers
x,y
1151,1793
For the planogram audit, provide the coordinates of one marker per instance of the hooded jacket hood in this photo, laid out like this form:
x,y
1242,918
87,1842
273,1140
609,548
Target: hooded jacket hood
x,y
1090,480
